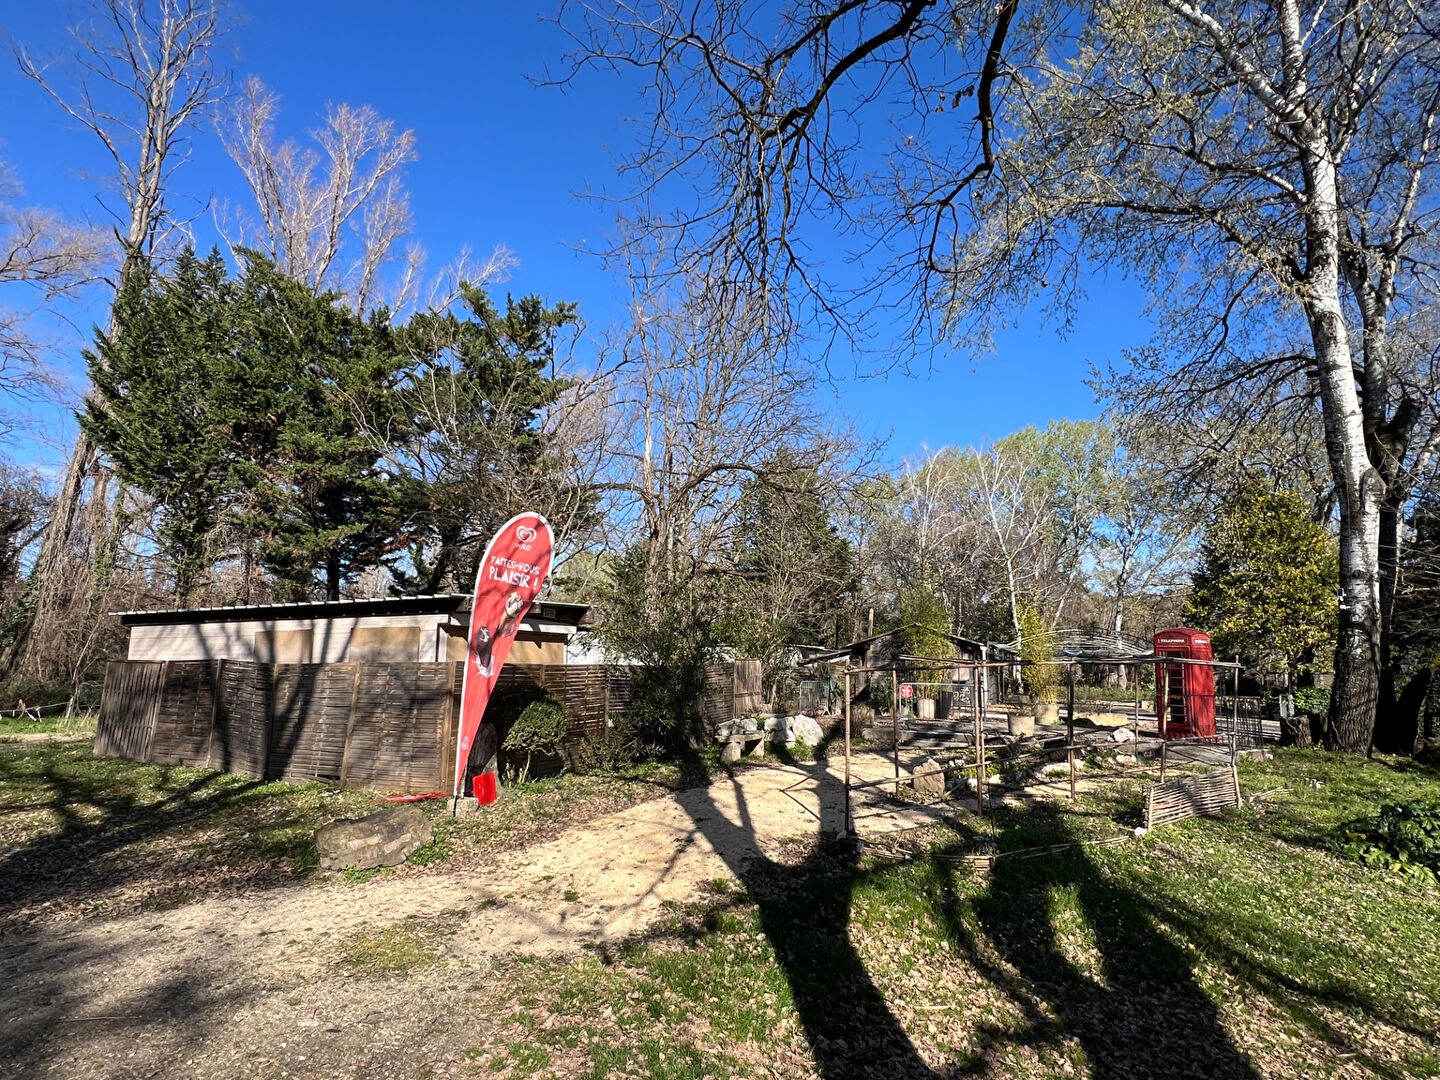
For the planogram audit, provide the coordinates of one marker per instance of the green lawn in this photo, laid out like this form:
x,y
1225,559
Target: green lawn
x,y
55,723
1232,947
1239,946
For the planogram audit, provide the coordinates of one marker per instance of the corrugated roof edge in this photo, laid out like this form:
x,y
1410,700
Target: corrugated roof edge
x,y
443,603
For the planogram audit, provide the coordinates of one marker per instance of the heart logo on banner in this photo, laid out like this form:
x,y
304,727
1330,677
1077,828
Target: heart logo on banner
x,y
525,534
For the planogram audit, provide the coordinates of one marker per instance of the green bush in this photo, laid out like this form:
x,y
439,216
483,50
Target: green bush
x,y
33,692
539,729
1403,838
1312,700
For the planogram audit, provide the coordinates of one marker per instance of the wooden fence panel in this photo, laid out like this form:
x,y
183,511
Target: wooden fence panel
x,y
718,702
389,726
749,687
184,716
241,741
311,710
128,701
1191,796
397,728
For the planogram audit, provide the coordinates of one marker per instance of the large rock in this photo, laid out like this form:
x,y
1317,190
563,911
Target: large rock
x,y
385,838
806,729
928,778
789,729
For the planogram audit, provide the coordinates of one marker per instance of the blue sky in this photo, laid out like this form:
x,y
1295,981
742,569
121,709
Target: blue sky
x,y
506,161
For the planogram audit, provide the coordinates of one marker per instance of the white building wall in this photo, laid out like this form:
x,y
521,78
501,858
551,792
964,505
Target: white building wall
x,y
330,644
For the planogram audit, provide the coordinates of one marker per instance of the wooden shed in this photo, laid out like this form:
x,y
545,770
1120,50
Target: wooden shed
x,y
400,629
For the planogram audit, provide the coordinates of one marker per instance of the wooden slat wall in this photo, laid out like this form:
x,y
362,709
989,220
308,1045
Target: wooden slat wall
x,y
185,713
311,710
128,700
397,728
718,703
387,726
749,688
242,718
590,694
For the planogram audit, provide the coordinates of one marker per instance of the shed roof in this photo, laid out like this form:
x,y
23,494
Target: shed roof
x,y
439,604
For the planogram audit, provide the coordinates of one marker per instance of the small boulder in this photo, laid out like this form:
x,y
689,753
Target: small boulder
x,y
1123,734
928,778
384,838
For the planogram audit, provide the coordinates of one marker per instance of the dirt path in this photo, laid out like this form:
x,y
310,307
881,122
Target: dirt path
x,y
255,986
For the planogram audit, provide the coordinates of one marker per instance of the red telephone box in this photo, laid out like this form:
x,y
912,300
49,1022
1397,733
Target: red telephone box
x,y
1184,693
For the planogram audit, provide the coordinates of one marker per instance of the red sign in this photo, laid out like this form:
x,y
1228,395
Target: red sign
x,y
906,690
511,573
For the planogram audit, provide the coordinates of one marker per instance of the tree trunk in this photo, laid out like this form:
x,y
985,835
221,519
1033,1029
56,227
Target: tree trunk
x,y
1397,715
52,592
1355,696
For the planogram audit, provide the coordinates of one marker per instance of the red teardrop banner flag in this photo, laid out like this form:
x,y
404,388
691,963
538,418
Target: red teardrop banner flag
x,y
515,565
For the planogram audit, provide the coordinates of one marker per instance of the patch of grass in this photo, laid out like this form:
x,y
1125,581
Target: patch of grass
x,y
400,949
1276,952
90,836
438,849
56,723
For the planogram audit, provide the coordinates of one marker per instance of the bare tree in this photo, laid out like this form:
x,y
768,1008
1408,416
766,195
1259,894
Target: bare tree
x,y
1261,167
47,256
140,75
699,400
332,216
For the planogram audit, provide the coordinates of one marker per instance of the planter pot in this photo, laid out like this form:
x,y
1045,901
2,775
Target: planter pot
x,y
1047,712
1020,723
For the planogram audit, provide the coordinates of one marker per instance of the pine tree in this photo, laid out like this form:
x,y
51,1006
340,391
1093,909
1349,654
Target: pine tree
x,y
1268,583
154,414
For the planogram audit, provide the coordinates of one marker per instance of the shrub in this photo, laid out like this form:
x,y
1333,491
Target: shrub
x,y
33,692
539,729
1403,838
1312,700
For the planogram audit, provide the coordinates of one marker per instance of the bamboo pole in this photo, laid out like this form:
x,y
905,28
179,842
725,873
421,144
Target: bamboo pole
x,y
895,723
1070,724
847,825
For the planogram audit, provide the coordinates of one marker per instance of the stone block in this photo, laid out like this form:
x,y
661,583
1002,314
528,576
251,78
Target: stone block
x,y
928,778
385,838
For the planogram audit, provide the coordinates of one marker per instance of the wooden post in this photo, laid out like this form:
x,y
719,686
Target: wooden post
x,y
1137,707
214,713
1235,698
895,723
982,791
1162,696
605,700
1070,724
847,749
350,723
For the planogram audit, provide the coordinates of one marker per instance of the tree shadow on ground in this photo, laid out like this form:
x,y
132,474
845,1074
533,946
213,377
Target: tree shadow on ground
x,y
89,847
1142,1013
804,911
1088,966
